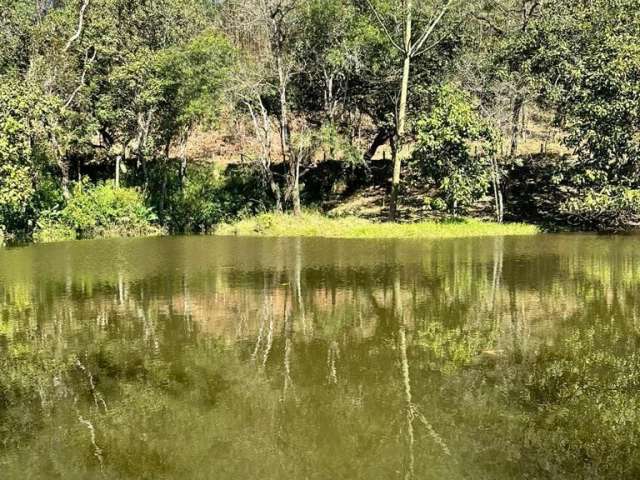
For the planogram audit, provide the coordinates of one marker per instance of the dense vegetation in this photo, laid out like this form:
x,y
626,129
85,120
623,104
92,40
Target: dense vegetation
x,y
100,101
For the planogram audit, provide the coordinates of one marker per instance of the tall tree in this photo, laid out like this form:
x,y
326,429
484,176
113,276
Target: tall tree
x,y
410,48
272,30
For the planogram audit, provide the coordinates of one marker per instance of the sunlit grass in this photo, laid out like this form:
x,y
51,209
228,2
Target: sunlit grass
x,y
316,225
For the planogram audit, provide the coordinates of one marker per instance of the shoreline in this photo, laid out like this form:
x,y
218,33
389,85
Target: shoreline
x,y
316,225
320,226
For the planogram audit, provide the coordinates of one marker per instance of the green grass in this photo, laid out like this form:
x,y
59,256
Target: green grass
x,y
316,225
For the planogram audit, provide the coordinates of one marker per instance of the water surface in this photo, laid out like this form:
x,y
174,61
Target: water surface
x,y
231,358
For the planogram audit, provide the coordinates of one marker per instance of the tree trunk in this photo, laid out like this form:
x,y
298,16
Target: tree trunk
x,y
518,104
183,162
63,165
275,191
284,121
294,166
380,139
262,129
144,124
295,186
402,115
118,159
497,190
163,185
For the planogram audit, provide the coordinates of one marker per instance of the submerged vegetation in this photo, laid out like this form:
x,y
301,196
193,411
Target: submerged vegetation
x,y
316,225
206,112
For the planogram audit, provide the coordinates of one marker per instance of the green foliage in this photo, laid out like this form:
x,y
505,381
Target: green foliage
x,y
589,55
16,194
27,118
437,204
190,79
612,209
201,203
141,75
210,196
338,145
99,211
446,134
313,224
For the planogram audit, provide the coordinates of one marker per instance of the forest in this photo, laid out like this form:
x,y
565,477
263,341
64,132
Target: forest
x,y
125,118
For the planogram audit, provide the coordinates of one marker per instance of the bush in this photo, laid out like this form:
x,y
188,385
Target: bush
x,y
611,209
445,134
25,111
50,228
200,204
211,196
99,211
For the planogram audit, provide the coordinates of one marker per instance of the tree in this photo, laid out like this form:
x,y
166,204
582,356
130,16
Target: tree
x,y
27,121
275,36
409,48
590,61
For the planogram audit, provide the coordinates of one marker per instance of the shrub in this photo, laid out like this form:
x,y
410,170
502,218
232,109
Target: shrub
x,y
50,229
99,211
26,114
199,204
445,134
611,209
211,196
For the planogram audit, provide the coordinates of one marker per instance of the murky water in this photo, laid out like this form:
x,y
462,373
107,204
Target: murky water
x,y
226,358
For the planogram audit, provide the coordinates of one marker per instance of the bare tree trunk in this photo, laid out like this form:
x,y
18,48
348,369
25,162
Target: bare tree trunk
x,y
78,32
497,189
118,159
63,165
295,185
518,105
402,114
163,186
284,120
292,160
262,129
409,49
330,106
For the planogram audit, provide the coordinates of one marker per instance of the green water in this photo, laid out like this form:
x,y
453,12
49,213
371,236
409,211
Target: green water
x,y
227,358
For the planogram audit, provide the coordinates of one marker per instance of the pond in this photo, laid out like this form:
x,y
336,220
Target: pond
x,y
232,358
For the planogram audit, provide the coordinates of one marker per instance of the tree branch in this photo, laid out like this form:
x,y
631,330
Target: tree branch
x,y
87,62
418,45
75,36
384,27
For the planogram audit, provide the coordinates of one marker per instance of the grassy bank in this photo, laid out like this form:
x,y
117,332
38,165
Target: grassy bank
x,y
316,225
